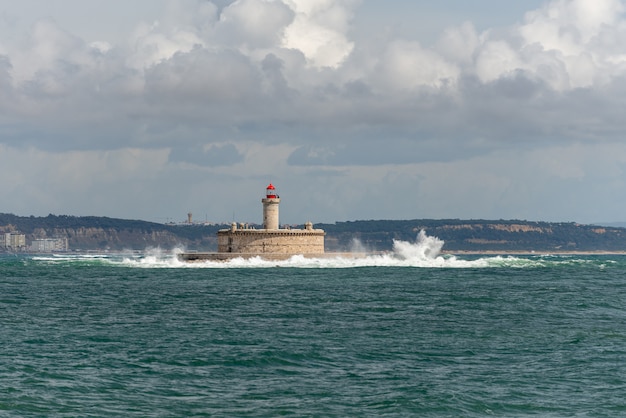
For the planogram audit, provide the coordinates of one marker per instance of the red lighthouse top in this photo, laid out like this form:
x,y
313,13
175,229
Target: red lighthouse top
x,y
271,192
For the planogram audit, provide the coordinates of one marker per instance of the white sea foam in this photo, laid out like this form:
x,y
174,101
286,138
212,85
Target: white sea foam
x,y
69,257
424,252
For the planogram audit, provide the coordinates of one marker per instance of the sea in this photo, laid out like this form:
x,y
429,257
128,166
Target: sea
x,y
412,332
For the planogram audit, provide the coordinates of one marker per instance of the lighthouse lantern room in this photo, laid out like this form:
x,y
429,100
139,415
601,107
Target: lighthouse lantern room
x,y
270,192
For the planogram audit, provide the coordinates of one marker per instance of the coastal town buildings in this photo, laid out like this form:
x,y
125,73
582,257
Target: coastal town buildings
x,y
49,245
16,242
13,241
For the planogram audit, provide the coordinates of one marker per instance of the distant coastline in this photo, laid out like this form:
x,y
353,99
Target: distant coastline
x,y
461,236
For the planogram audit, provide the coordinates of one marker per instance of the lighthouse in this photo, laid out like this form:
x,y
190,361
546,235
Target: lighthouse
x,y
270,208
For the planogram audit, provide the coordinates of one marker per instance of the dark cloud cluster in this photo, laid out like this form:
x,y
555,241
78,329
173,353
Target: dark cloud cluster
x,y
242,64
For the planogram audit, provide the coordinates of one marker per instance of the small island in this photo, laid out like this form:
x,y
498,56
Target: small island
x,y
270,242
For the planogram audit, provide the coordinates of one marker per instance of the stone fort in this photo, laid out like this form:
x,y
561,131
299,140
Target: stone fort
x,y
271,240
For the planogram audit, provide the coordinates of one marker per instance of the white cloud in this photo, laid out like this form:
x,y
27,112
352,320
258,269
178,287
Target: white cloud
x,y
151,46
319,30
497,59
47,48
406,65
459,44
569,26
574,34
253,24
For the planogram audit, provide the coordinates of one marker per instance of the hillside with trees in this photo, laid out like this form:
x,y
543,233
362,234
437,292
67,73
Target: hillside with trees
x,y
103,233
479,235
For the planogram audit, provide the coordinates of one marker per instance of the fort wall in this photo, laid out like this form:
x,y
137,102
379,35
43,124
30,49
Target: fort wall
x,y
276,241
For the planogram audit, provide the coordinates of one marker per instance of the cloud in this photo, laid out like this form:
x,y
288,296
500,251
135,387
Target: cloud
x,y
152,46
249,89
52,182
213,155
319,30
247,67
567,43
570,26
254,24
407,66
202,76
5,76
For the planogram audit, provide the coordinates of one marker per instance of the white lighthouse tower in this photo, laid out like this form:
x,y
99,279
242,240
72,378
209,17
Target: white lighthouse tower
x,y
270,208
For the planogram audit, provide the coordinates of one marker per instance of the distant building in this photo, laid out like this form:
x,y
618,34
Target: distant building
x,y
49,245
12,241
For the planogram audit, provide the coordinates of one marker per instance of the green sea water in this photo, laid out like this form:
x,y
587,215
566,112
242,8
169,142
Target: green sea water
x,y
408,334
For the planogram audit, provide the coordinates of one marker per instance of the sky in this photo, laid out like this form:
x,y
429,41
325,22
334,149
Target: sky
x,y
353,109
